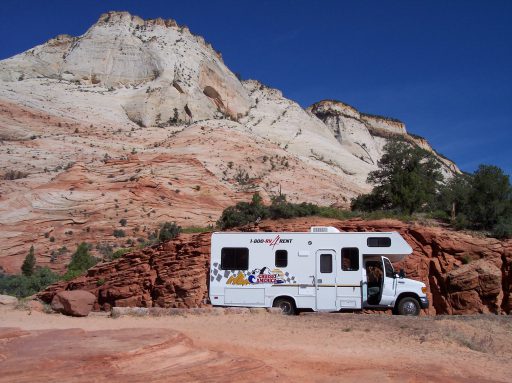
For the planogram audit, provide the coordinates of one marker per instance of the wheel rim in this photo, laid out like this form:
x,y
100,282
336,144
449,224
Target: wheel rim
x,y
409,308
285,307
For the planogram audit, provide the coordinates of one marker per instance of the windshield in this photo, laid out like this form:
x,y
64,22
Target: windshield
x,y
390,272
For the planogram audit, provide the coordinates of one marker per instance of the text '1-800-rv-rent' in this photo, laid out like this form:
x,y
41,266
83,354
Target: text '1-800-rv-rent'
x,y
322,270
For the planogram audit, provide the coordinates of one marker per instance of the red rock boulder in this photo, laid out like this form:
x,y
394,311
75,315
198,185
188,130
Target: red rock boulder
x,y
76,303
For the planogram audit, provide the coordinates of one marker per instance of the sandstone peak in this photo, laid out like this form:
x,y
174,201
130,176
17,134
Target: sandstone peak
x,y
142,120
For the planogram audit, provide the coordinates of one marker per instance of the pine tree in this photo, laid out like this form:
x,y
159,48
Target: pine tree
x,y
81,259
27,268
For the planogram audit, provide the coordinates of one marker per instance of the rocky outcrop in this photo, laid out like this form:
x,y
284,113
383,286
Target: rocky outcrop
x,y
365,135
464,274
172,274
77,303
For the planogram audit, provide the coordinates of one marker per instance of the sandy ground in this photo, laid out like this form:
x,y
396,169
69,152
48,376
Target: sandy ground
x,y
310,347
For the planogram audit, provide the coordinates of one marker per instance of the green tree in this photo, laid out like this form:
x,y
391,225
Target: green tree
x,y
453,196
81,260
407,180
490,200
27,268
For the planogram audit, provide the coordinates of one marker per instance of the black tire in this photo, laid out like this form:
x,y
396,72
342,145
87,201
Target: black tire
x,y
286,305
408,306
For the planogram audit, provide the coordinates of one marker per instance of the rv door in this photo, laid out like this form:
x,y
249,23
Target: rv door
x,y
325,280
389,286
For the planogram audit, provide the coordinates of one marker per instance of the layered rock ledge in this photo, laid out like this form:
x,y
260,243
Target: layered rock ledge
x,y
464,274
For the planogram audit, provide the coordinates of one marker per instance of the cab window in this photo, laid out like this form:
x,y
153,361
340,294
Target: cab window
x,y
390,272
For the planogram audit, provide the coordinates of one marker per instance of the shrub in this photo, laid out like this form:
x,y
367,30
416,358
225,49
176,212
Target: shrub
x,y
24,286
81,261
123,222
120,252
502,230
244,213
119,233
168,230
14,175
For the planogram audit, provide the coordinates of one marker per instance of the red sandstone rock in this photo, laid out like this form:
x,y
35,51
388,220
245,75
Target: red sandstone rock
x,y
463,274
77,303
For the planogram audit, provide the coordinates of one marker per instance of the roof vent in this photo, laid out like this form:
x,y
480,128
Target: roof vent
x,y
324,229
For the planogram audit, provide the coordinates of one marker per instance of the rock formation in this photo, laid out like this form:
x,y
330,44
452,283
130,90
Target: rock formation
x,y
141,120
464,274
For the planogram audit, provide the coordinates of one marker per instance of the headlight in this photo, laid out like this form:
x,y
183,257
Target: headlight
x,y
424,290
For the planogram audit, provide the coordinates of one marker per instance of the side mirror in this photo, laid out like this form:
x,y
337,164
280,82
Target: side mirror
x,y
401,274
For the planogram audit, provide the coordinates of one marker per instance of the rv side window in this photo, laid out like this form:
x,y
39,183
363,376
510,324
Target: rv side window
x,y
326,263
281,258
378,242
234,258
350,259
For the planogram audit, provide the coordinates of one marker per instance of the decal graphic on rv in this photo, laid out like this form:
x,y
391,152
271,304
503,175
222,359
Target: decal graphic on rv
x,y
271,242
265,275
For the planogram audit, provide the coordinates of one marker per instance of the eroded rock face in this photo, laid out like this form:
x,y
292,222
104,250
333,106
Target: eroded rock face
x,y
365,135
76,303
464,274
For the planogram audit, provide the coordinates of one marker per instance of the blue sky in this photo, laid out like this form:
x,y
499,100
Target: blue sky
x,y
442,67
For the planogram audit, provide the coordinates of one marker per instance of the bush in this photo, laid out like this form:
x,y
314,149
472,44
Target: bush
x,y
23,286
119,233
14,175
168,230
244,213
502,230
119,253
123,222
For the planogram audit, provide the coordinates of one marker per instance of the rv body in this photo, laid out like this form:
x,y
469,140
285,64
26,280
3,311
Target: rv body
x,y
321,270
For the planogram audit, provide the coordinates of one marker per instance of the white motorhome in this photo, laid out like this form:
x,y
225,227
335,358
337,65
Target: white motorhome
x,y
322,270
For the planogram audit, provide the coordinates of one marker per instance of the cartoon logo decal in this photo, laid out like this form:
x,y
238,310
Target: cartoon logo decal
x,y
265,275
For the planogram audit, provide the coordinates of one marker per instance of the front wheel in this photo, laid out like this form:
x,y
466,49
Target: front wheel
x,y
286,305
408,306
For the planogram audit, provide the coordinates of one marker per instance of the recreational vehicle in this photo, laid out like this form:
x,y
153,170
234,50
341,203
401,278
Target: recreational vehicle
x,y
322,270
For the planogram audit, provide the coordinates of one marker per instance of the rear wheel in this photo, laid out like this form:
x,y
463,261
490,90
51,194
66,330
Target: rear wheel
x,y
286,305
408,306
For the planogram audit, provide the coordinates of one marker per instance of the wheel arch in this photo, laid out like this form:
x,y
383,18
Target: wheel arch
x,y
288,297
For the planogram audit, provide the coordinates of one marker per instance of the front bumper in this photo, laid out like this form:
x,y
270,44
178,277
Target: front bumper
x,y
424,302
